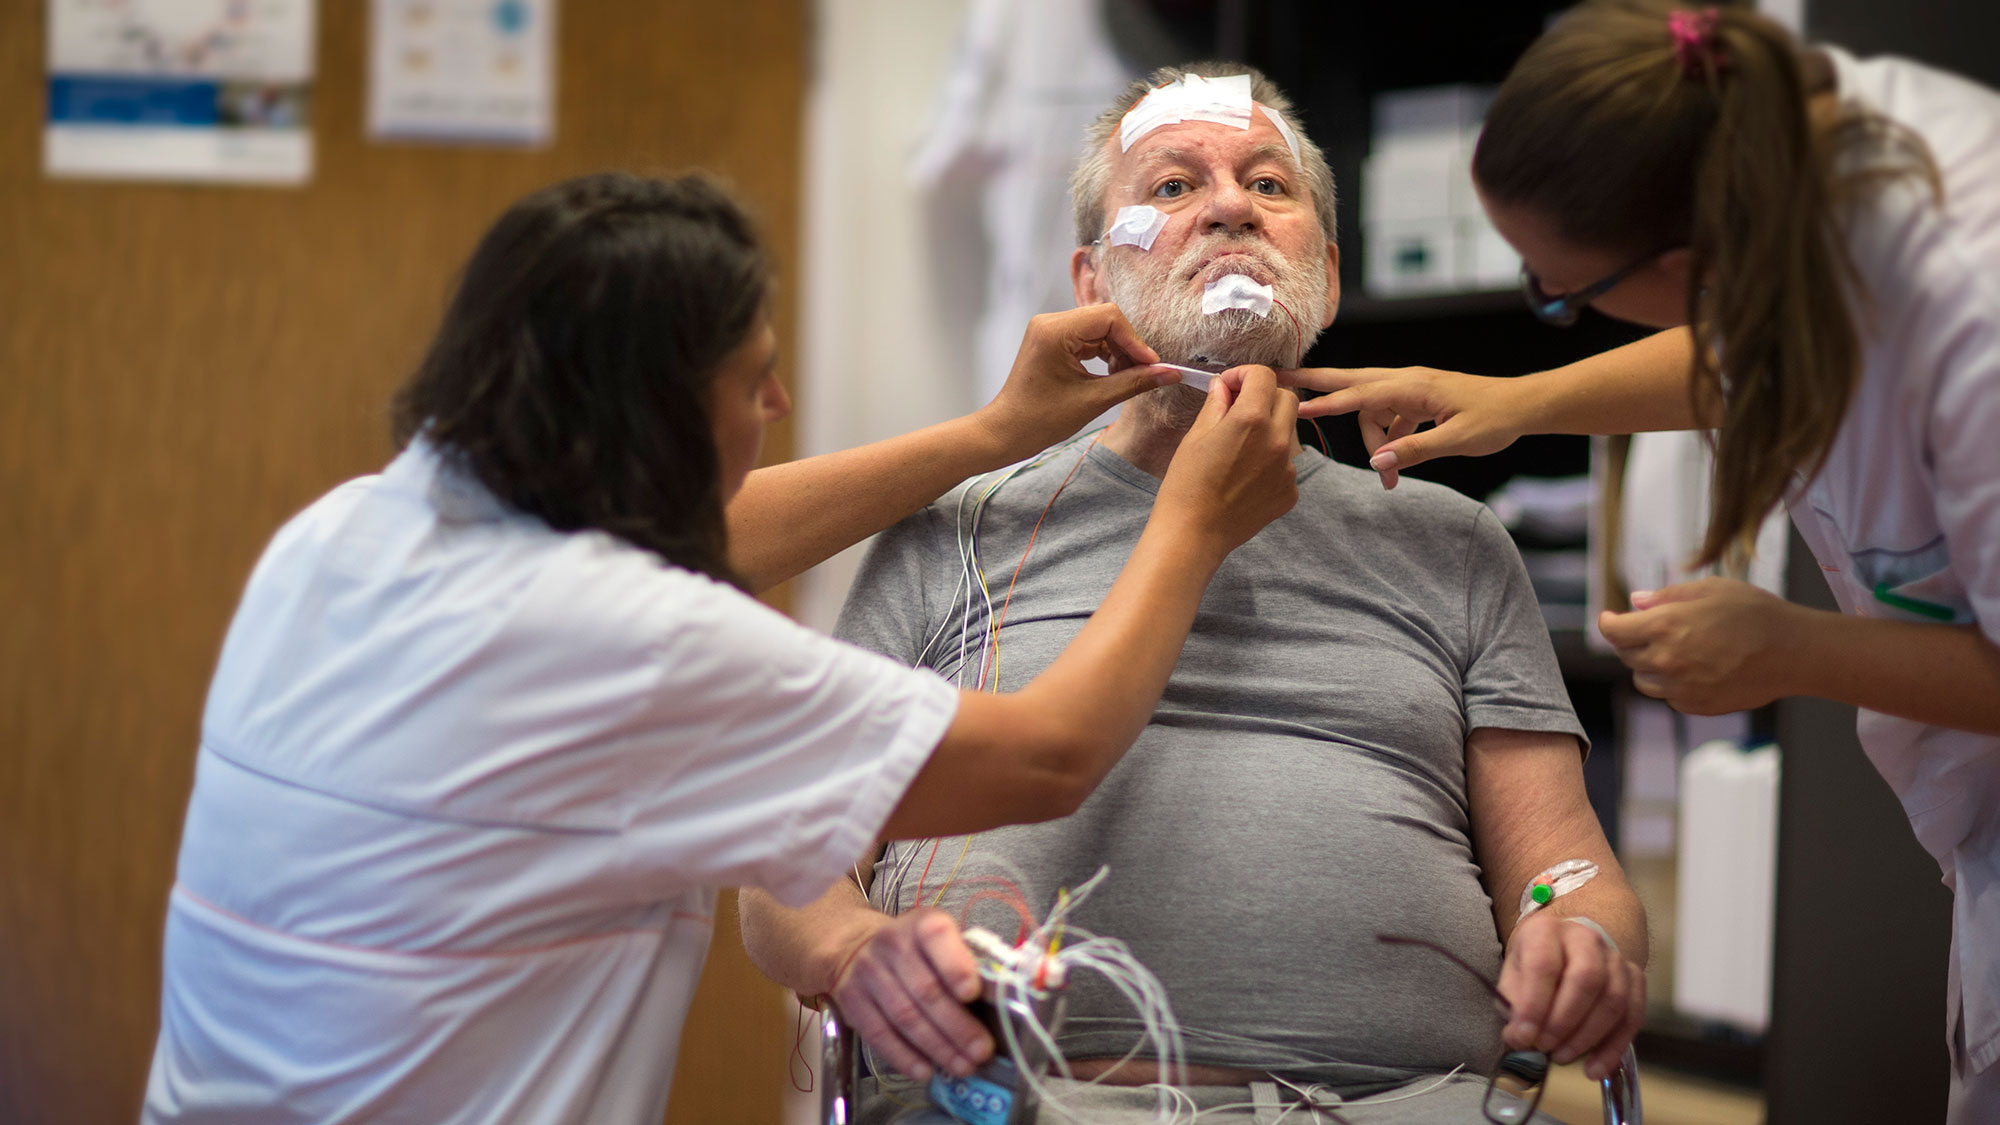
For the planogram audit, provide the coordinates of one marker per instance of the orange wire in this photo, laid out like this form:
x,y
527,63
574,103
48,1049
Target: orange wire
x,y
1001,620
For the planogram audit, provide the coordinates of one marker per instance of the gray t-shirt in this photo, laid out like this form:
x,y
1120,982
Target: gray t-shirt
x,y
1301,787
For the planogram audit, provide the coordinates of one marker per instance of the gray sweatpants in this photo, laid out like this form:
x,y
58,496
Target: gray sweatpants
x,y
1423,1102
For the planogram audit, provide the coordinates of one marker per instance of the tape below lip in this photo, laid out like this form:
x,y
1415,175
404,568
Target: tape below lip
x,y
1235,291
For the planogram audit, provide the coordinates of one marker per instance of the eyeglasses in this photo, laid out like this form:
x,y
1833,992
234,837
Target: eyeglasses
x,y
1500,1106
1562,310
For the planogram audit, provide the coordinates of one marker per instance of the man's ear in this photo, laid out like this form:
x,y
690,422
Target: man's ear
x,y
1083,276
1332,283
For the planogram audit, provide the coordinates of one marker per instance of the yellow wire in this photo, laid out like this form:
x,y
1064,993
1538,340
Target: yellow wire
x,y
1055,938
954,870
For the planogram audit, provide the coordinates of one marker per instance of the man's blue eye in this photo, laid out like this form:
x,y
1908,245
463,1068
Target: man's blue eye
x,y
1268,186
1172,189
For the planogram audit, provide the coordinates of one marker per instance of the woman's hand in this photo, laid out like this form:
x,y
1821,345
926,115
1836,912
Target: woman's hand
x,y
1573,995
1233,472
1708,647
1049,395
1475,415
904,987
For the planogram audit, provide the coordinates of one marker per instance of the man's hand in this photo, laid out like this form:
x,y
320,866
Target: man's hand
x,y
1049,395
1708,647
903,988
1573,995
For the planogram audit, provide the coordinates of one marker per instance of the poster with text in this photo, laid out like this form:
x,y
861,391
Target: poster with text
x,y
462,71
204,90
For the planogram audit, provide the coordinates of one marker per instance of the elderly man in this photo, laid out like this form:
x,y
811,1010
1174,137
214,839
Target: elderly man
x,y
1366,733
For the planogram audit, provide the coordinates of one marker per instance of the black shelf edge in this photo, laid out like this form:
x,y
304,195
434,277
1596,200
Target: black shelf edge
x,y
1488,302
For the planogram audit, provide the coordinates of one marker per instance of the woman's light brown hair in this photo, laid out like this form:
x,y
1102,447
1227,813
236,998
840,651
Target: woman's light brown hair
x,y
1634,143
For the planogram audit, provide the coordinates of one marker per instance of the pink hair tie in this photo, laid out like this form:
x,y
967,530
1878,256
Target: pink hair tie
x,y
1696,43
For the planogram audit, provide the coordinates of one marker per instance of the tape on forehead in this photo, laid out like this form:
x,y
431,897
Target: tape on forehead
x,y
1285,131
1225,101
1137,226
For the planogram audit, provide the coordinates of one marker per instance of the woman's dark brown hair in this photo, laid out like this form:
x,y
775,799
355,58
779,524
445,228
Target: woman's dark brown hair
x,y
1635,140
571,374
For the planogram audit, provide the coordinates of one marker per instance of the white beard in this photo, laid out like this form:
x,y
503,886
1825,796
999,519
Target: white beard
x,y
1167,315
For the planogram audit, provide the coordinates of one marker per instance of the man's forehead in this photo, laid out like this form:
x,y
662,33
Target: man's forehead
x,y
1199,141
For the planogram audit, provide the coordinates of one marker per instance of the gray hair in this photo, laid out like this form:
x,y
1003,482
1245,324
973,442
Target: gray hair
x,y
1092,177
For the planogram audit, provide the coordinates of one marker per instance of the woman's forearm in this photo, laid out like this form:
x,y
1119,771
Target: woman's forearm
x,y
790,518
1945,675
1637,388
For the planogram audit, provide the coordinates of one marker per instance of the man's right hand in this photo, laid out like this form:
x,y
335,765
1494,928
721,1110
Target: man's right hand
x,y
1233,472
904,987
1475,415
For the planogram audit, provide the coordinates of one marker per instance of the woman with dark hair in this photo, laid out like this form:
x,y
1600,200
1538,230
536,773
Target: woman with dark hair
x,y
490,728
1820,236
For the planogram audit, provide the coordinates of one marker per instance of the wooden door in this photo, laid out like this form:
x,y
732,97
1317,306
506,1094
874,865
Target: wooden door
x,y
183,367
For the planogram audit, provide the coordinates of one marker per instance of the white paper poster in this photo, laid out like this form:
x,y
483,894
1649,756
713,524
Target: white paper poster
x,y
209,90
467,71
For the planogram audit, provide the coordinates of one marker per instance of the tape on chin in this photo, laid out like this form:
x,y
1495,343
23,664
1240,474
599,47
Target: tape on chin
x,y
1225,101
1235,291
1137,226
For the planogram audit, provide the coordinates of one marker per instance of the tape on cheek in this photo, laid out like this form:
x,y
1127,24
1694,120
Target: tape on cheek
x,y
1225,101
1285,131
1235,291
1137,226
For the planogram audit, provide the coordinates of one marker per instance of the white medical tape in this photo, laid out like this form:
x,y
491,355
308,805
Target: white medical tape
x,y
1561,879
1285,131
1225,101
1136,226
1191,376
1235,291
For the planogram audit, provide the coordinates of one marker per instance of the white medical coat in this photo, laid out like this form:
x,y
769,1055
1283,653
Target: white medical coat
x,y
1909,501
465,789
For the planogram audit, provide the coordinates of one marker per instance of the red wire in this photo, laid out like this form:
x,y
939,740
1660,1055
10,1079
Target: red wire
x,y
1020,908
1298,357
799,1057
1004,602
925,874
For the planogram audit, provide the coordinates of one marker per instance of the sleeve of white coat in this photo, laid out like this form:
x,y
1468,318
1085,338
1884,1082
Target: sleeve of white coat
x,y
781,752
1964,444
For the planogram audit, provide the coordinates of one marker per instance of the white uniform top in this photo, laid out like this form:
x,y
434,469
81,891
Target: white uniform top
x,y
1907,510
465,788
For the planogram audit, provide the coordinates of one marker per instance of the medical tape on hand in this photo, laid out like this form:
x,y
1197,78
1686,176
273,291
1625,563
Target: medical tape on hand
x,y
1235,291
1225,101
1557,881
1136,226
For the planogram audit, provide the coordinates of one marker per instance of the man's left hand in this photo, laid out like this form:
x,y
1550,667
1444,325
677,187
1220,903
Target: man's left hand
x,y
1573,995
1708,647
